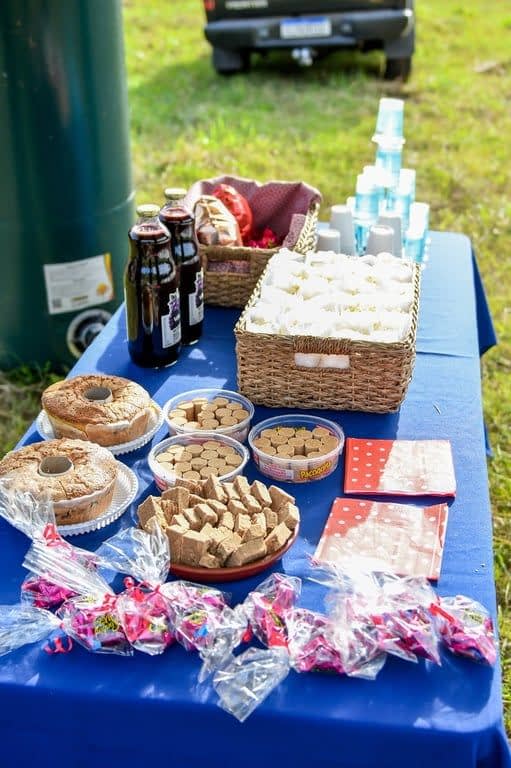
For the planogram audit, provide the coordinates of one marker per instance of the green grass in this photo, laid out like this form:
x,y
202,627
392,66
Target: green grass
x,y
282,122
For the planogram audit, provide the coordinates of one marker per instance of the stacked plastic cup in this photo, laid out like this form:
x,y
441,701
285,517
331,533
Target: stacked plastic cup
x,y
390,119
367,205
389,137
417,234
341,219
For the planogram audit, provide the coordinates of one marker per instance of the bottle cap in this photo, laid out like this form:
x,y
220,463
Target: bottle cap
x,y
175,193
148,210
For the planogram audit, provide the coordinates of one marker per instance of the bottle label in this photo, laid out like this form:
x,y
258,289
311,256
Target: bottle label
x,y
75,285
171,323
196,300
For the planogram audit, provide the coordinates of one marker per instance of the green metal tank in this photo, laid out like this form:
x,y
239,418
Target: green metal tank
x,y
66,196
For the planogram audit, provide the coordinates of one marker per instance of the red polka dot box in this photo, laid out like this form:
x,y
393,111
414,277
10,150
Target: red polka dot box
x,y
401,538
399,467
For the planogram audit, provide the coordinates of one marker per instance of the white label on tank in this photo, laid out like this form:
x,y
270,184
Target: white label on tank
x,y
78,284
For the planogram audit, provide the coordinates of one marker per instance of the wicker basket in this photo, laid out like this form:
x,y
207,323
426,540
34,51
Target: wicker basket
x,y
376,377
289,208
234,288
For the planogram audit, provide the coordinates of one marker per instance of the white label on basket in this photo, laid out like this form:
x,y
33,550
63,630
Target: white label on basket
x,y
313,360
78,284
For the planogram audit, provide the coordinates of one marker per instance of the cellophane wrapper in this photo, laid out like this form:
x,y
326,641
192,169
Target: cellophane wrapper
x,y
466,628
94,623
214,223
41,593
195,611
23,624
382,608
143,610
249,678
267,605
23,511
203,621
403,618
141,554
66,566
144,613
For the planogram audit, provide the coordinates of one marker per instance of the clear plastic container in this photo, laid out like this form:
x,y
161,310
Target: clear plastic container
x,y
237,431
165,478
304,469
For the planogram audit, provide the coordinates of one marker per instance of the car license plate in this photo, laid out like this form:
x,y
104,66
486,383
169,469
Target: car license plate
x,y
317,26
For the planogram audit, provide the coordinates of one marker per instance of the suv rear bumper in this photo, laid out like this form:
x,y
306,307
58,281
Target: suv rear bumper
x,y
349,30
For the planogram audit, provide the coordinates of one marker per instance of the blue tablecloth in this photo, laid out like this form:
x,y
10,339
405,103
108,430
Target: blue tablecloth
x,y
79,707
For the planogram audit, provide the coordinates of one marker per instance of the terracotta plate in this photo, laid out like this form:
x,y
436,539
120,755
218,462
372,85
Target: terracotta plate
x,y
233,574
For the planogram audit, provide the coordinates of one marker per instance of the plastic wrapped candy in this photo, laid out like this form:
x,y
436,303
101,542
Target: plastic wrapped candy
x,y
145,618
397,607
92,624
404,622
195,611
357,640
311,643
91,617
203,621
266,606
23,624
249,678
67,567
143,610
95,624
238,206
466,628
42,593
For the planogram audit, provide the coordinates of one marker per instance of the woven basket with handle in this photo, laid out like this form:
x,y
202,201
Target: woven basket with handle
x,y
234,288
289,208
375,377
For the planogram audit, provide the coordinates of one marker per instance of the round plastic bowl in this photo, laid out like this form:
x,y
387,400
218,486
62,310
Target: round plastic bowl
x,y
296,470
166,479
237,431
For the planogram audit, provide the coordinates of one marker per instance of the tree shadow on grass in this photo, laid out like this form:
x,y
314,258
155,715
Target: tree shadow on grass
x,y
186,118
191,90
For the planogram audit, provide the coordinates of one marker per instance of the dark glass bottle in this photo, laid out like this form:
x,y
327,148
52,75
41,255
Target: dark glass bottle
x,y
185,249
151,292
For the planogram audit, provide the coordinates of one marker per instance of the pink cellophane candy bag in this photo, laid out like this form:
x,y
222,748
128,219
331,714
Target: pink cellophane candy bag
x,y
143,610
466,628
94,623
266,607
195,611
91,616
203,621
403,619
42,593
311,643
